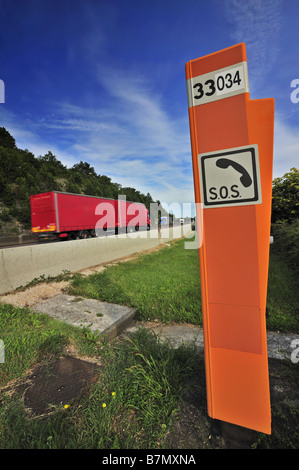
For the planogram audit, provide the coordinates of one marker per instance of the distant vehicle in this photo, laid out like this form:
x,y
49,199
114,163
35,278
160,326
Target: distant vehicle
x,y
58,215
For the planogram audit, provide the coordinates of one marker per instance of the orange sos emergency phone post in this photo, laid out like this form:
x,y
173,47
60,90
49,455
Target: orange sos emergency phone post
x,y
232,156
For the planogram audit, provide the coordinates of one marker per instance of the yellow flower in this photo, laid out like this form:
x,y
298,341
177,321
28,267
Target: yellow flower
x,y
104,405
113,394
66,406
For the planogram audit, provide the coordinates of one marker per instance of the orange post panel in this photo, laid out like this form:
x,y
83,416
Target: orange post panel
x,y
232,156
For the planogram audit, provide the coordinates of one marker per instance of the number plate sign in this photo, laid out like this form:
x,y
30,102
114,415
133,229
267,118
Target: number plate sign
x,y
232,156
230,177
223,83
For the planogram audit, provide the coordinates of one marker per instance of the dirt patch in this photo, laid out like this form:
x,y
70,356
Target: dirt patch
x,y
57,384
34,294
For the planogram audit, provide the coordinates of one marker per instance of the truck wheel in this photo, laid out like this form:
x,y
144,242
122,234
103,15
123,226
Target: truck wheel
x,y
83,234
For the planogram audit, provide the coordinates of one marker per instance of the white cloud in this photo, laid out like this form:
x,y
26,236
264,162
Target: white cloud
x,y
27,136
139,110
132,139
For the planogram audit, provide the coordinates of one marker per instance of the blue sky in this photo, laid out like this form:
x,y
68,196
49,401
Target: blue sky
x,y
103,81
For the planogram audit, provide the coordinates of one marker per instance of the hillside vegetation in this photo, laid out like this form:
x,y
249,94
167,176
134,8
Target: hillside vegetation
x,y
23,174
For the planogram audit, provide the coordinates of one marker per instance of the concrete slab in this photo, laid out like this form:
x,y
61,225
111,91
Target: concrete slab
x,y
105,318
111,320
175,335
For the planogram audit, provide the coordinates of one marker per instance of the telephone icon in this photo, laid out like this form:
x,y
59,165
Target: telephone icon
x,y
245,177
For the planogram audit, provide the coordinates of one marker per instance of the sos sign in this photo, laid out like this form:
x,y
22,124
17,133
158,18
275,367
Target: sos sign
x,y
230,177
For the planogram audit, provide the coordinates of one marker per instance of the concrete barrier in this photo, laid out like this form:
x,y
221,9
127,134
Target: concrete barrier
x,y
20,265
8,240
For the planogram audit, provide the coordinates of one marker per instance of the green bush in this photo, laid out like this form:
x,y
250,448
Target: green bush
x,y
285,197
286,242
5,215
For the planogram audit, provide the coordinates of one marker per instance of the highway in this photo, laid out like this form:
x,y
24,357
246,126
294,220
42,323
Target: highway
x,y
19,266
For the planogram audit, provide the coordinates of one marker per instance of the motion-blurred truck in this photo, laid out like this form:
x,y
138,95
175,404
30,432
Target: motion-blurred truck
x,y
58,215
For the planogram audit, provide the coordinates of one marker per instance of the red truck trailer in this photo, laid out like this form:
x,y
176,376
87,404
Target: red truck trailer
x,y
58,215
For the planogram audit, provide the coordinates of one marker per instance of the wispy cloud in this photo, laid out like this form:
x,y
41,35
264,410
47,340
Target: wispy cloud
x,y
28,136
257,23
131,138
141,112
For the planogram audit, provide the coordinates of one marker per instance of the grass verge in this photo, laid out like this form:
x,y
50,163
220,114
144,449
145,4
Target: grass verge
x,y
163,285
166,286
130,407
31,337
134,403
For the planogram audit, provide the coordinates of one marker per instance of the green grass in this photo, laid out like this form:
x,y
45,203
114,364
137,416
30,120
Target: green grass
x,y
146,378
283,296
140,389
31,337
166,286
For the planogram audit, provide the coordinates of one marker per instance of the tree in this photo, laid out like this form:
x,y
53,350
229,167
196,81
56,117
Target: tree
x,y
6,140
285,197
84,168
51,164
22,174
